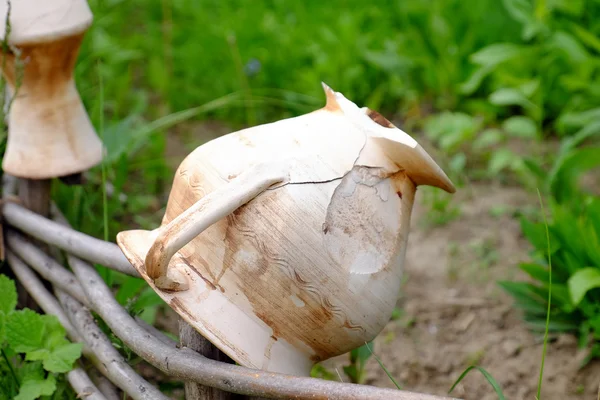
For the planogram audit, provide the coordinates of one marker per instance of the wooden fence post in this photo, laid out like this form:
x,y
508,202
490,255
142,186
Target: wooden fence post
x,y
190,338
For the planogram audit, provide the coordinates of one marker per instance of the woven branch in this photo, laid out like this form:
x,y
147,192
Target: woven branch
x,y
78,379
121,373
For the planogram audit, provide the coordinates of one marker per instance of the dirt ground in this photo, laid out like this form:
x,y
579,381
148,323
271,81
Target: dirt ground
x,y
453,312
455,315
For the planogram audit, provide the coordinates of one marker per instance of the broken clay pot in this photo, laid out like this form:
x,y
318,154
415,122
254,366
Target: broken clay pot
x,y
283,243
50,134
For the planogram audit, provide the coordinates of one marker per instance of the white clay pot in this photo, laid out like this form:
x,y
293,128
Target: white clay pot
x,y
283,243
50,134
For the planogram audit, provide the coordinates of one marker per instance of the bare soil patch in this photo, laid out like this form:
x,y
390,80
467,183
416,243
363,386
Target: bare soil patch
x,y
455,315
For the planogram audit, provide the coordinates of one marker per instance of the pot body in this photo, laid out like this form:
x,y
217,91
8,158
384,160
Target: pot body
x,y
307,270
50,133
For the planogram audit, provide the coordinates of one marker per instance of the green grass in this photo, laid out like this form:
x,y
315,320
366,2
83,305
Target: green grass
x,y
544,350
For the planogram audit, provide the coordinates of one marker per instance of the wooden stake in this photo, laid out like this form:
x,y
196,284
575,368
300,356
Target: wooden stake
x,y
190,338
35,195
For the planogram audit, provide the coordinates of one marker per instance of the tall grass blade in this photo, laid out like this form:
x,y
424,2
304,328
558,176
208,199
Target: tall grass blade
x,y
106,273
398,386
487,376
103,163
539,389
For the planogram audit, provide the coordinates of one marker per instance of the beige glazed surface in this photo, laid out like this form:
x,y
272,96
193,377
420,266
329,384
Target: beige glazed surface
x,y
309,267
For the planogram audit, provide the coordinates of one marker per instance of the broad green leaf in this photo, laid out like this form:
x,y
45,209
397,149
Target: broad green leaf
x,y
510,97
588,38
536,234
530,87
583,281
8,294
320,372
2,327
350,371
571,120
534,167
37,355
573,7
520,126
363,353
24,330
564,176
570,46
501,159
473,82
522,289
525,298
129,289
488,138
62,358
588,131
495,54
520,10
535,271
539,325
451,130
591,242
562,298
34,387
54,332
458,162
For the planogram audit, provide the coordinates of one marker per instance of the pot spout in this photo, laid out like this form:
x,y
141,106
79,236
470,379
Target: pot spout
x,y
392,143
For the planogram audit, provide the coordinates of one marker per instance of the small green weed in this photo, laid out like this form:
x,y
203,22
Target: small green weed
x,y
358,362
487,376
440,208
574,235
35,351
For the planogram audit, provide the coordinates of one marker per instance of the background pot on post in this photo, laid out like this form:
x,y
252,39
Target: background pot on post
x,y
283,243
50,134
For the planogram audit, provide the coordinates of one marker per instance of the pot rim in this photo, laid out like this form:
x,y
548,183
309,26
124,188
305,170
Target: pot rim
x,y
224,324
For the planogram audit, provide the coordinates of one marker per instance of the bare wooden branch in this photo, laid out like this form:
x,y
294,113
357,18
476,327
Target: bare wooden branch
x,y
9,185
158,334
191,339
83,385
78,379
40,294
119,372
46,266
79,244
35,195
108,389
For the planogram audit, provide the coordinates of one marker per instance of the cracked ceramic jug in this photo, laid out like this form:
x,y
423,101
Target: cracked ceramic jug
x,y
283,243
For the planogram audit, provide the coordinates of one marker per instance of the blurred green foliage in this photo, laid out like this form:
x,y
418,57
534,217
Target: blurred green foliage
x,y
574,251
537,59
475,76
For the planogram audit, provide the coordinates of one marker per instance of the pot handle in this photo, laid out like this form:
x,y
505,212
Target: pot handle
x,y
202,214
